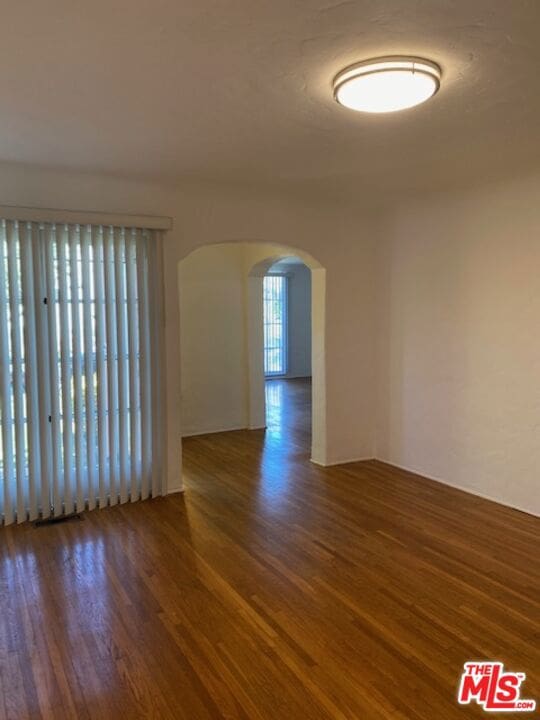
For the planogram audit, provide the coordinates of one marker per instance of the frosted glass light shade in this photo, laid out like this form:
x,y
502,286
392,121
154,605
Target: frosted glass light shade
x,y
387,84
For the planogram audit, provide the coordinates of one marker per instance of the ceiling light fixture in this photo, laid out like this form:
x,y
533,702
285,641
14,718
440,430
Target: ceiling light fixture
x,y
387,84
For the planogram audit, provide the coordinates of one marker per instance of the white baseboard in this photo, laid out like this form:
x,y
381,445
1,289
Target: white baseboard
x,y
212,431
174,491
476,493
332,463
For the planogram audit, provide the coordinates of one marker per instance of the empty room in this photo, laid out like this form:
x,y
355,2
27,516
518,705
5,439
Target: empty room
x,y
270,360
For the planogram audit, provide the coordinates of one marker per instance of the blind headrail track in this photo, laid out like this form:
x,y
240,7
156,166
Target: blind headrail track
x,y
84,217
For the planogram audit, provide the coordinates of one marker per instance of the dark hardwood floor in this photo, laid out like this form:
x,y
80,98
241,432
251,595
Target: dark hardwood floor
x,y
272,589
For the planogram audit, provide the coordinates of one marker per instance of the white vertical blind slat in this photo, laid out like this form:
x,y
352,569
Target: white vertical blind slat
x,y
112,362
89,349
133,355
5,383
54,375
44,388
80,450
66,354
30,367
15,301
123,385
145,366
101,373
155,272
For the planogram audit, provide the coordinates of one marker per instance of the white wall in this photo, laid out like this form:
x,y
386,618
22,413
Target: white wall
x,y
343,240
459,341
299,318
212,349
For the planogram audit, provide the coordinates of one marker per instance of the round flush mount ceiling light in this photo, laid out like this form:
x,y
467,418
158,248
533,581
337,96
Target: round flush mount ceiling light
x,y
387,84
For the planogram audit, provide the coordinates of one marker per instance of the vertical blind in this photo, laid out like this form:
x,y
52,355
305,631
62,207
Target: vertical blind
x,y
79,367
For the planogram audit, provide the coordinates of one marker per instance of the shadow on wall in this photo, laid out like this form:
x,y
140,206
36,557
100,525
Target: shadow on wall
x,y
221,336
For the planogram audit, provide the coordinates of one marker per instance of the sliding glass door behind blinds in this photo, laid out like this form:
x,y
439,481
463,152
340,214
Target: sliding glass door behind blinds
x,y
79,368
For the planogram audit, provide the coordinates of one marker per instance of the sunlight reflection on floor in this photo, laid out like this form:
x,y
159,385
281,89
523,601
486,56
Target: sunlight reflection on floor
x,y
288,414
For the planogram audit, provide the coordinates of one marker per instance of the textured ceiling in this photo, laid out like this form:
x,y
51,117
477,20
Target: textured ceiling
x,y
240,90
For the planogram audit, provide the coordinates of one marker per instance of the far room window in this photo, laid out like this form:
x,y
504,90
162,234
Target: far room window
x,y
275,325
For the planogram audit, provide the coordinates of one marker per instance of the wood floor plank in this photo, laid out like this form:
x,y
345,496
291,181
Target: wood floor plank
x,y
272,589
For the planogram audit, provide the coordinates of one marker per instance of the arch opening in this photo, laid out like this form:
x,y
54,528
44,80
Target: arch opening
x,y
221,313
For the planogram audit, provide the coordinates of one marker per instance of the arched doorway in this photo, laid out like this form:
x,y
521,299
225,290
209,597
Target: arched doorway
x,y
213,269
256,344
